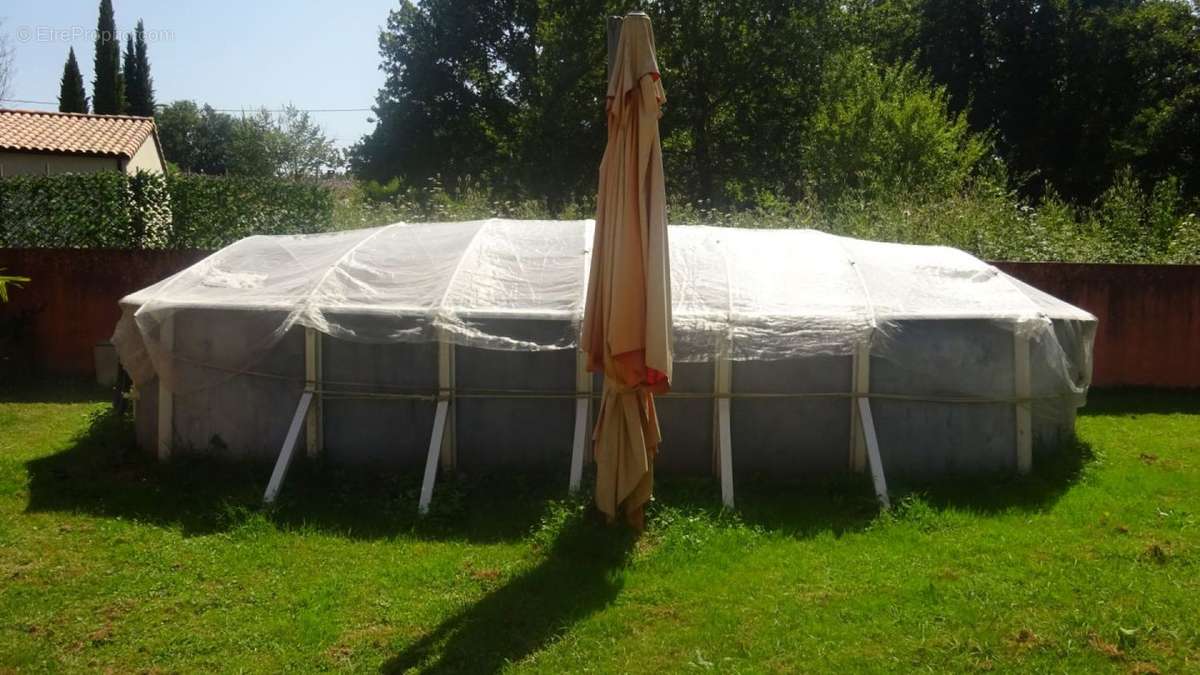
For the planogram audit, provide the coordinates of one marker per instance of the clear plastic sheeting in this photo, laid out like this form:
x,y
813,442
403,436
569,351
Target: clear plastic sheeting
x,y
740,294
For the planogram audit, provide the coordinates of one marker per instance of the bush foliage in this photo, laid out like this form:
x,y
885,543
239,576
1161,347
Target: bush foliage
x,y
1128,223
101,210
212,211
886,130
113,210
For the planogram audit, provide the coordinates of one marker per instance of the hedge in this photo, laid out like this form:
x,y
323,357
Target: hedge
x,y
114,210
212,211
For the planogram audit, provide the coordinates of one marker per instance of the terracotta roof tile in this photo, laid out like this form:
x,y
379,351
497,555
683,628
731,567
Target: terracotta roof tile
x,y
42,131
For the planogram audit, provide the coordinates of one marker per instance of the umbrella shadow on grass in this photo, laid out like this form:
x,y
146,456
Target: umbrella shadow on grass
x,y
578,576
800,509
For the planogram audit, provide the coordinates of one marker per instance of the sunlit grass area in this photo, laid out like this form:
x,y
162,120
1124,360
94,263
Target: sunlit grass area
x,y
111,561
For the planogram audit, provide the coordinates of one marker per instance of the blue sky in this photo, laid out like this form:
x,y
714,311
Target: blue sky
x,y
242,54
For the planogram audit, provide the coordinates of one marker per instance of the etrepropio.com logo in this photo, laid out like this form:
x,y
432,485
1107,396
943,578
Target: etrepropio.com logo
x,y
43,33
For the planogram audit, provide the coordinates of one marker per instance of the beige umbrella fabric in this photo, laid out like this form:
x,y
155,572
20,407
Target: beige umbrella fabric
x,y
627,318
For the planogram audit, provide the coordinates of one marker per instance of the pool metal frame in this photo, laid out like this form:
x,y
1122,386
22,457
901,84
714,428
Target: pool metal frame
x,y
864,450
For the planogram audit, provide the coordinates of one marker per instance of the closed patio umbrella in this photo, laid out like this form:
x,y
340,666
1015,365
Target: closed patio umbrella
x,y
627,318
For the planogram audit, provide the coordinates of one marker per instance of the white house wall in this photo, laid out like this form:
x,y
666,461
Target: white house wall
x,y
145,159
44,164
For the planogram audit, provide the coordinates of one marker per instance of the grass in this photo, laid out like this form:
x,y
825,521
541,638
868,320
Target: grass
x,y
109,561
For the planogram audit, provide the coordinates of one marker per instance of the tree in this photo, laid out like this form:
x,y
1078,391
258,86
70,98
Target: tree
x,y
305,149
740,81
203,140
139,86
559,130
256,146
1065,91
288,144
6,63
195,139
512,91
882,131
1160,133
457,75
147,82
108,95
129,75
71,95
214,136
1073,89
178,130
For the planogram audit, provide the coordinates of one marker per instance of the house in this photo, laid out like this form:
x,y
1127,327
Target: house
x,y
37,142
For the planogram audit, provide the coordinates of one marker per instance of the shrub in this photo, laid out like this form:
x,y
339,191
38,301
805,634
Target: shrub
x,y
148,205
113,210
1126,224
888,129
369,203
1135,225
213,211
103,210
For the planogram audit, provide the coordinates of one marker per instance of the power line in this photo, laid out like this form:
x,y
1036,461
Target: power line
x,y
225,110
21,100
279,110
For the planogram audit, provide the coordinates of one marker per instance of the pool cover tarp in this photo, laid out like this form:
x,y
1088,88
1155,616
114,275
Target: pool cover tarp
x,y
741,294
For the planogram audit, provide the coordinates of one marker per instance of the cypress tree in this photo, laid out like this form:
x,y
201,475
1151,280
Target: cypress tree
x,y
129,75
71,95
107,88
143,104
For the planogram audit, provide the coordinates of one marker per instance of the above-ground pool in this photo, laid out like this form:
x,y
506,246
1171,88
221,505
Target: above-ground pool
x,y
366,344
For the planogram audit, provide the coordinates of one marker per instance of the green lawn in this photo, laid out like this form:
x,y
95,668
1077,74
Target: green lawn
x,y
109,561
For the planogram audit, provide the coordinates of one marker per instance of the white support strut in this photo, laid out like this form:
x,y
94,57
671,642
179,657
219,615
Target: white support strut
x,y
876,462
441,441
724,437
726,453
315,437
166,400
288,450
1023,390
431,460
860,386
583,389
446,378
